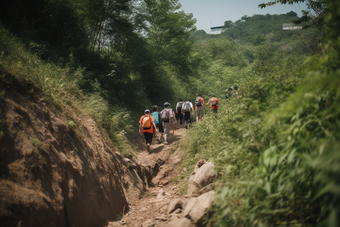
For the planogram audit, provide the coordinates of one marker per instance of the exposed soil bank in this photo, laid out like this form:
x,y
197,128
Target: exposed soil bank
x,y
56,168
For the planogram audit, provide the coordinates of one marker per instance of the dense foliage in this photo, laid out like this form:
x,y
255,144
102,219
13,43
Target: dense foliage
x,y
122,45
276,143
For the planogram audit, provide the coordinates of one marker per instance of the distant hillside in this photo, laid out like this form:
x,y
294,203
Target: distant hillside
x,y
251,29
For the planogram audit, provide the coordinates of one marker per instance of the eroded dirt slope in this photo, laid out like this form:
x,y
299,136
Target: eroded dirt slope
x,y
56,168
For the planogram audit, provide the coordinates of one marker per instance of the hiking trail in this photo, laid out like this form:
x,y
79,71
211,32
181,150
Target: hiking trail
x,y
150,209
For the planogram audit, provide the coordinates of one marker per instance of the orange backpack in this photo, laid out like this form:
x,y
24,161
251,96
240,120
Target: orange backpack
x,y
146,122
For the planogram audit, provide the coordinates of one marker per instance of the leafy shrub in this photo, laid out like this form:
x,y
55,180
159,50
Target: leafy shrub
x,y
59,87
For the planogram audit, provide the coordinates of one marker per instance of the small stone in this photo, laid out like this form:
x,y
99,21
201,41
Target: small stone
x,y
148,223
177,211
173,188
161,218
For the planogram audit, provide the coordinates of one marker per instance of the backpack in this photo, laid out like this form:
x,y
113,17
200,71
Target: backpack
x,y
198,101
179,106
146,122
213,101
165,115
186,107
155,117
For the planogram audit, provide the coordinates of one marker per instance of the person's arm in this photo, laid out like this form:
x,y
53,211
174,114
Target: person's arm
x,y
176,108
173,116
140,128
208,102
154,125
159,117
203,102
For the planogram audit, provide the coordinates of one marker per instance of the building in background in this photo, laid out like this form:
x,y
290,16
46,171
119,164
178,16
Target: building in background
x,y
290,26
217,30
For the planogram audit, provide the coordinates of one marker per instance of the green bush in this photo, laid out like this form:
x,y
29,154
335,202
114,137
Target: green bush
x,y
59,87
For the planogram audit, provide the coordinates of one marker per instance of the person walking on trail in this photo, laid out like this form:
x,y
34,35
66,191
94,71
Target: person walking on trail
x,y
213,103
199,103
235,89
229,95
192,113
179,110
157,118
167,118
186,111
147,125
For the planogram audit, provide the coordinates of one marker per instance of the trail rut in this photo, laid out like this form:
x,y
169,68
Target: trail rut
x,y
152,204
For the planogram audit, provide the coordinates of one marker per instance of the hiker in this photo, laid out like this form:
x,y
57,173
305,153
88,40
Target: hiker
x,y
147,124
193,111
235,88
228,96
213,103
199,103
179,110
157,118
167,116
186,111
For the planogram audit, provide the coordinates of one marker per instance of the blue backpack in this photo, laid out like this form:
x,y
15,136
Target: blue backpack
x,y
155,117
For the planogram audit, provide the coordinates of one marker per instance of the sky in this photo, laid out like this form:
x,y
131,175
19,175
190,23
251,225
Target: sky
x,y
215,12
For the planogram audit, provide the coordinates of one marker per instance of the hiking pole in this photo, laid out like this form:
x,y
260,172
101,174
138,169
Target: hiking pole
x,y
173,128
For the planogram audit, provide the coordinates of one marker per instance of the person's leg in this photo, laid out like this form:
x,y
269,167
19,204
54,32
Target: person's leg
x,y
199,112
166,126
187,117
148,138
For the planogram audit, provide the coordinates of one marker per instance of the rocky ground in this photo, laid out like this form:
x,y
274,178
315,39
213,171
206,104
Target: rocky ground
x,y
161,203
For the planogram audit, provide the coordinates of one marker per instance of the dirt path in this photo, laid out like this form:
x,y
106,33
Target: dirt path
x,y
152,205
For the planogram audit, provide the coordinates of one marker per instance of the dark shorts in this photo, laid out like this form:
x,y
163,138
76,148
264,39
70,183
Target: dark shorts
x,y
160,127
186,116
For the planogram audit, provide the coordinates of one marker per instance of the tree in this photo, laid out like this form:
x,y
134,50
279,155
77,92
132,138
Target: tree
x,y
168,33
228,24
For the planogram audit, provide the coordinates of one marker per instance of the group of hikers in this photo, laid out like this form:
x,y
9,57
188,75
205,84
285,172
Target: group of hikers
x,y
166,119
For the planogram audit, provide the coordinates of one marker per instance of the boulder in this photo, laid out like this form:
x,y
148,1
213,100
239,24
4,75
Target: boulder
x,y
174,205
205,189
202,176
198,207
